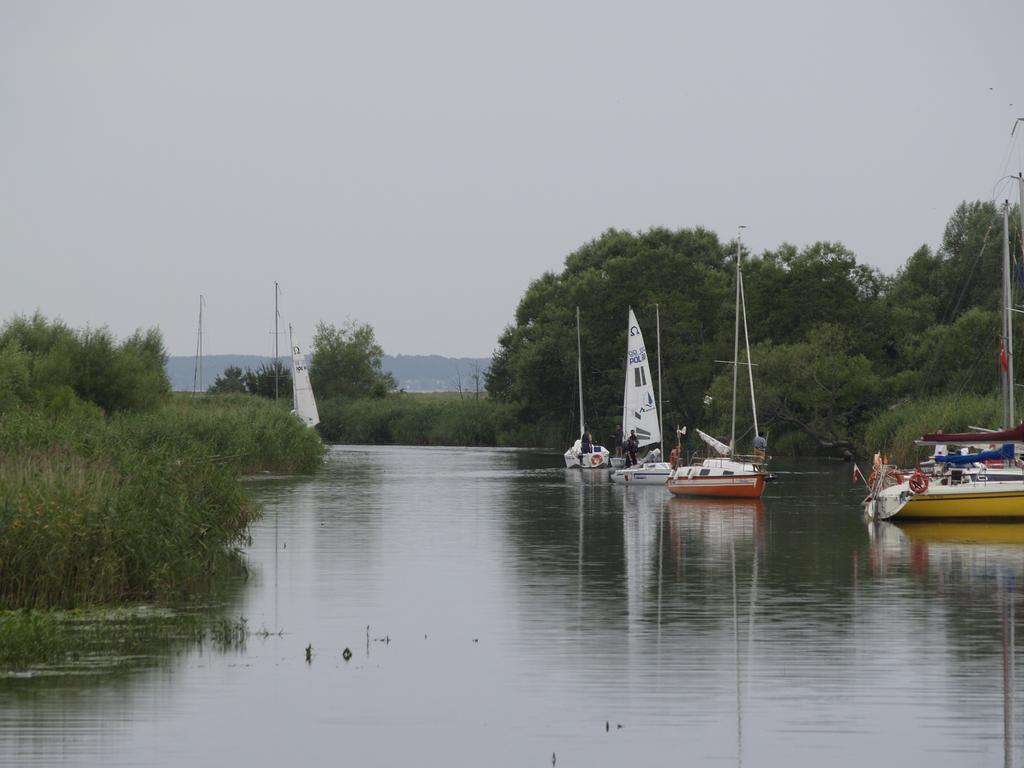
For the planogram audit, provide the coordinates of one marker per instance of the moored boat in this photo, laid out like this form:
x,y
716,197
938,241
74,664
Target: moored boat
x,y
727,475
640,412
952,488
579,456
963,486
719,477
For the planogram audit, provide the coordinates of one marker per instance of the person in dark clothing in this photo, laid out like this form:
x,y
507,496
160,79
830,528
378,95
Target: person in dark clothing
x,y
585,441
632,444
617,440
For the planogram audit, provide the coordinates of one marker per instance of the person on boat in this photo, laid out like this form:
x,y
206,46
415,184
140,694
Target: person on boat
x,y
617,440
585,440
632,444
760,446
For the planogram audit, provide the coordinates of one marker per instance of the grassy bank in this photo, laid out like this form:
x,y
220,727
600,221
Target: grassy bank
x,y
99,510
418,419
894,431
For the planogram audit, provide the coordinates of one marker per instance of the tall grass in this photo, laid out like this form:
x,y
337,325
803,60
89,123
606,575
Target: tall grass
x,y
97,510
417,420
894,431
249,434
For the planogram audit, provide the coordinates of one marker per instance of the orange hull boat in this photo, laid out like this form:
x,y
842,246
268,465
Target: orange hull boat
x,y
747,486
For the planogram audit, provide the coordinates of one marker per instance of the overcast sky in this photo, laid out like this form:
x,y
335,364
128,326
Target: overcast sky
x,y
414,165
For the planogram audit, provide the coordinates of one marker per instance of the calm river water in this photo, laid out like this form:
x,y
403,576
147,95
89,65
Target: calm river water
x,y
503,611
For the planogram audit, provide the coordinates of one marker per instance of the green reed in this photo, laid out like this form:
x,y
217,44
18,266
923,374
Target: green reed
x,y
893,432
77,638
135,507
410,419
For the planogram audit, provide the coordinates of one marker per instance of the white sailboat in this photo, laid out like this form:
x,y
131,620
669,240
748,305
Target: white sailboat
x,y
640,412
304,404
597,456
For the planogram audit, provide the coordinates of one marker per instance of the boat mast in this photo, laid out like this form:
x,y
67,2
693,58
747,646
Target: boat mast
x,y
277,359
750,363
661,409
736,342
1007,340
1009,359
197,374
579,366
625,394
295,394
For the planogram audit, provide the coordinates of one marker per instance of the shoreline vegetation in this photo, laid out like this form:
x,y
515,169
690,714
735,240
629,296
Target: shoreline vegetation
x,y
436,418
448,419
113,491
130,509
848,360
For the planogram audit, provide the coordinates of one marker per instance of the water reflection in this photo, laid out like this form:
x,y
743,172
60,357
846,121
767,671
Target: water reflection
x,y
976,561
524,607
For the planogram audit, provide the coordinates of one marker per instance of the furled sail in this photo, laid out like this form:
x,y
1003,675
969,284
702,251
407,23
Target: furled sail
x,y
302,392
1004,453
1015,435
639,409
718,445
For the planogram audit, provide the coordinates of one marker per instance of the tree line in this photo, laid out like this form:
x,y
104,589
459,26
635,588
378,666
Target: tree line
x,y
835,342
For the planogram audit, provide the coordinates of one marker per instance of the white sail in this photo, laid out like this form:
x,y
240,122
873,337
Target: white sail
x,y
639,409
718,445
302,392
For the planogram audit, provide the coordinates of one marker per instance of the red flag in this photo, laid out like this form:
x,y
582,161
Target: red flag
x,y
1002,356
856,473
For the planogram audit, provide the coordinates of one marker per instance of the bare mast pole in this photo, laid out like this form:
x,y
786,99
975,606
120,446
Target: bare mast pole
x,y
1009,358
579,366
750,363
1007,340
277,361
197,373
661,408
736,342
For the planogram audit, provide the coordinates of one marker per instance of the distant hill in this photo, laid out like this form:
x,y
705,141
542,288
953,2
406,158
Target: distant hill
x,y
414,373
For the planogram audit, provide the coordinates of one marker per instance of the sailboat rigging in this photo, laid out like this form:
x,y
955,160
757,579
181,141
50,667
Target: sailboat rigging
x,y
590,456
728,475
964,485
640,414
197,375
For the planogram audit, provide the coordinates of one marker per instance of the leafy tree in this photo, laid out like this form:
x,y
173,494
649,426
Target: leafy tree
x,y
822,387
972,255
89,365
346,362
960,357
684,273
789,292
269,380
231,381
15,377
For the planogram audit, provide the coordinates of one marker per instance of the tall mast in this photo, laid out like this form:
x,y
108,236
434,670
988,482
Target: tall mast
x,y
1007,340
295,394
1009,359
197,374
1020,193
661,410
579,365
750,363
625,394
736,342
277,360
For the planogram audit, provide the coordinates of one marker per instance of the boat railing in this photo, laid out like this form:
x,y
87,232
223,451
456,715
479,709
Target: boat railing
x,y
750,458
